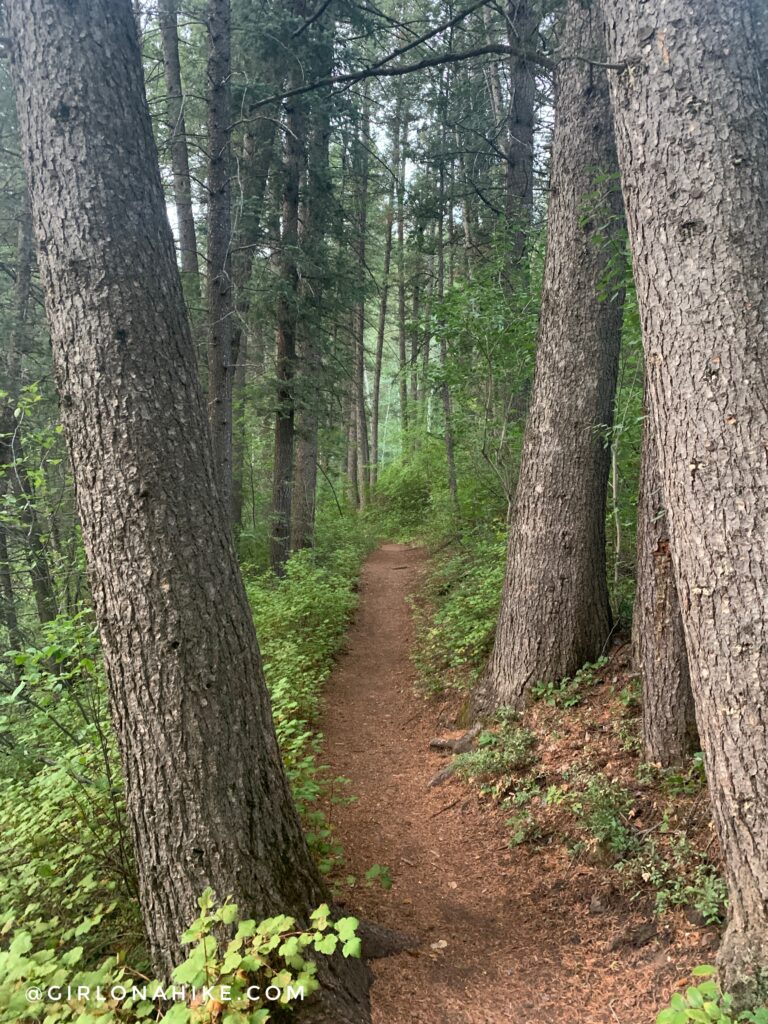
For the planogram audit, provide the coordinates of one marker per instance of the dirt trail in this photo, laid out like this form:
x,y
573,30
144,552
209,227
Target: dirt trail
x,y
506,935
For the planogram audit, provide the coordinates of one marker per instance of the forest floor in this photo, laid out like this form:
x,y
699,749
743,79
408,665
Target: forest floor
x,y
522,934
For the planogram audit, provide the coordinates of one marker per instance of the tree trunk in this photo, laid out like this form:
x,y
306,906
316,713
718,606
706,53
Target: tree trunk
x,y
257,156
555,614
382,322
182,182
361,227
450,458
522,27
401,331
698,222
287,304
658,641
221,364
206,795
318,206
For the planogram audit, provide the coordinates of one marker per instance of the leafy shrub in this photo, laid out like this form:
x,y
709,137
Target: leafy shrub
x,y
234,966
509,749
457,636
602,807
404,496
65,856
568,693
706,1002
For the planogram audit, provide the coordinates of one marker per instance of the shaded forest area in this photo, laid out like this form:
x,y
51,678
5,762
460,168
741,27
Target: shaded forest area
x,y
282,281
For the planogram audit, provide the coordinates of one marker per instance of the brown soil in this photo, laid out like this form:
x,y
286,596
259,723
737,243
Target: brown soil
x,y
521,935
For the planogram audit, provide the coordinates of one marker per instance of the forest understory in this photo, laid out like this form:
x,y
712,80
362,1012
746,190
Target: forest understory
x,y
506,930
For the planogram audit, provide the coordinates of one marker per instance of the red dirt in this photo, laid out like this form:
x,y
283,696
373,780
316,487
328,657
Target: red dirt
x,y
508,935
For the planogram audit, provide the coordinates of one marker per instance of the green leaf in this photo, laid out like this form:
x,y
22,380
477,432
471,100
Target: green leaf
x,y
346,927
326,944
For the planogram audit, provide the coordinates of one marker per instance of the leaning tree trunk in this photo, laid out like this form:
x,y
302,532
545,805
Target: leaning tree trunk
x,y
692,136
182,181
658,641
206,795
555,614
221,363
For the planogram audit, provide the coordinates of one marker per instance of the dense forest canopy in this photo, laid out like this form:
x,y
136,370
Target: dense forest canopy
x,y
284,281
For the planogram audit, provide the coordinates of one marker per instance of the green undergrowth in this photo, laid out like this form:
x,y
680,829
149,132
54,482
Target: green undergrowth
x,y
66,867
237,971
456,613
706,1002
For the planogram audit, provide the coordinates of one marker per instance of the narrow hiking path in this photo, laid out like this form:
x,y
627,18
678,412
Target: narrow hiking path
x,y
507,935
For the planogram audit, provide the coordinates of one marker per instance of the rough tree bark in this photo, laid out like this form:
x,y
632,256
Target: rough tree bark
x,y
182,182
206,794
658,641
692,138
554,613
219,293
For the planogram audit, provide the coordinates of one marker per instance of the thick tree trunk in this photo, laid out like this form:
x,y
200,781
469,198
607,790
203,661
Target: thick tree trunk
x,y
182,182
206,794
658,641
221,362
555,614
693,148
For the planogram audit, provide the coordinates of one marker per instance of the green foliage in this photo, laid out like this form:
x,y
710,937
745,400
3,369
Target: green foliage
x,y
681,876
404,497
65,857
379,873
455,638
235,966
568,693
706,1002
602,807
509,748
